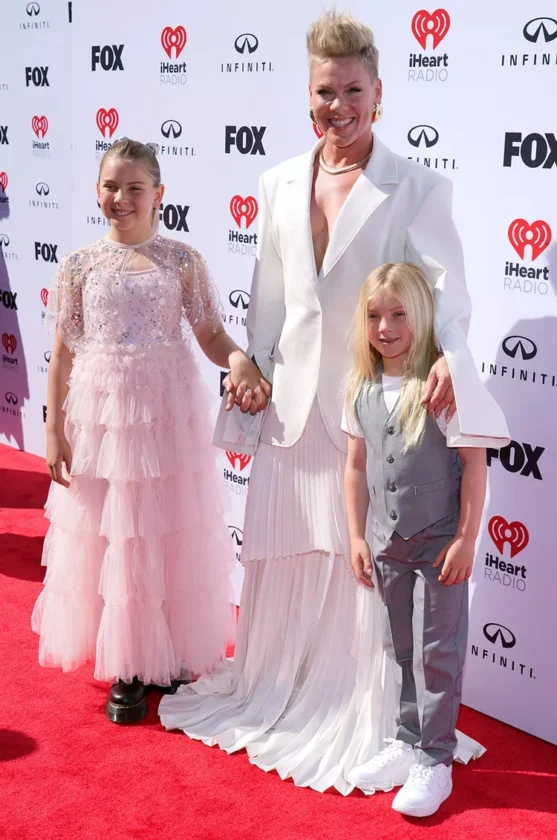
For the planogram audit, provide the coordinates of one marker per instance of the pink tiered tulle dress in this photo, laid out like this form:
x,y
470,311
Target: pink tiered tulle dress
x,y
137,553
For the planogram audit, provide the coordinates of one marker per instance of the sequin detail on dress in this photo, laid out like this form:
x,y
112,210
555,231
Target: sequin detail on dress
x,y
117,313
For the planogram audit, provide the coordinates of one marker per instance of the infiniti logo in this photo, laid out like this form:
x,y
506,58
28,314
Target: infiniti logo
x,y
498,633
425,134
535,27
237,534
239,297
33,9
246,42
42,188
4,240
47,356
514,344
171,128
11,398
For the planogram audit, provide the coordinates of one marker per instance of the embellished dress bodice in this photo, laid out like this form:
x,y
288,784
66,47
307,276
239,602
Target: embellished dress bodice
x,y
101,301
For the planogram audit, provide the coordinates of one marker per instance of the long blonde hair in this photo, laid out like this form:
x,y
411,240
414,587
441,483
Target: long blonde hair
x,y
410,285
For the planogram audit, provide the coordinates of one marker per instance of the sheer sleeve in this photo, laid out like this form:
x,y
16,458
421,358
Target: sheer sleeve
x,y
64,309
201,302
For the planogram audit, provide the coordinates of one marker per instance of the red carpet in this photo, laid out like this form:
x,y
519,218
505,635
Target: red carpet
x,y
66,773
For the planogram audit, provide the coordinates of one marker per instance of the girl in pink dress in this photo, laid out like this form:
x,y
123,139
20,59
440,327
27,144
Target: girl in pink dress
x,y
137,551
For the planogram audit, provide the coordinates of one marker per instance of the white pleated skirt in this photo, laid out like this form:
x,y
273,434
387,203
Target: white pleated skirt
x,y
310,692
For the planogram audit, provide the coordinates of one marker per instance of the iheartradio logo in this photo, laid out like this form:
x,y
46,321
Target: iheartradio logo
x,y
537,235
107,121
9,342
436,24
243,208
39,126
242,460
173,39
3,181
514,533
44,296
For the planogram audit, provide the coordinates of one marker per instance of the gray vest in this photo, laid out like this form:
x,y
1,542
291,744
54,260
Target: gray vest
x,y
409,491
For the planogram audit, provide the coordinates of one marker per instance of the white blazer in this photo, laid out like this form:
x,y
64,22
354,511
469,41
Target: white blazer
x,y
298,323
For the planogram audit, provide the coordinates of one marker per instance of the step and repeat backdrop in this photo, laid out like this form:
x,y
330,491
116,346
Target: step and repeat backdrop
x,y
222,89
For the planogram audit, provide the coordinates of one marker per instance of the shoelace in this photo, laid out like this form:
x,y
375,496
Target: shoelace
x,y
391,751
421,776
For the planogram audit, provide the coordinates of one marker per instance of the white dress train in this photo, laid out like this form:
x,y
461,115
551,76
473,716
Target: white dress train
x,y
310,693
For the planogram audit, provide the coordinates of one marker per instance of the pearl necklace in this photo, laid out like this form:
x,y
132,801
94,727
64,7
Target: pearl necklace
x,y
340,170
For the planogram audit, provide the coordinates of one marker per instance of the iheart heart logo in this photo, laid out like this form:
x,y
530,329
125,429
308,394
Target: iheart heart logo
x,y
4,181
173,39
537,235
243,460
243,208
44,296
514,533
107,121
9,342
436,24
39,126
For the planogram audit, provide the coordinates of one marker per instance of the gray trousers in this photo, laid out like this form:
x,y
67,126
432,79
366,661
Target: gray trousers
x,y
425,630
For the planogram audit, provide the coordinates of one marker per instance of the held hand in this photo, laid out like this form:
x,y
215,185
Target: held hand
x,y
245,385
439,391
458,561
263,390
362,564
58,451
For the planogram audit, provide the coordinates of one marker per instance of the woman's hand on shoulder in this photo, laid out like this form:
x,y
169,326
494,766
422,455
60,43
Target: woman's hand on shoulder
x,y
245,385
439,393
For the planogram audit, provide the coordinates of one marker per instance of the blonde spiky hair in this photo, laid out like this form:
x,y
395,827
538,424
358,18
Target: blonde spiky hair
x,y
339,35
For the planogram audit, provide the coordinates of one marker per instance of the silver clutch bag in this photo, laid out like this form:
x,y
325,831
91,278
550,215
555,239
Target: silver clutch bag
x,y
236,431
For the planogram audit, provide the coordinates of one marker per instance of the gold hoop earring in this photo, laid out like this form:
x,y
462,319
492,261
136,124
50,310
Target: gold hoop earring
x,y
377,112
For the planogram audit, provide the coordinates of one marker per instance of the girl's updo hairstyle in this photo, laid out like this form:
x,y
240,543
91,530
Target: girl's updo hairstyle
x,y
133,150
339,35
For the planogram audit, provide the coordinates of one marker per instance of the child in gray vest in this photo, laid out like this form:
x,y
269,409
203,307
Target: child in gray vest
x,y
426,503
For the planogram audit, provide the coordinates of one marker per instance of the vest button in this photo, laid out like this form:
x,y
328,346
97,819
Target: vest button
x,y
391,430
393,515
390,459
392,487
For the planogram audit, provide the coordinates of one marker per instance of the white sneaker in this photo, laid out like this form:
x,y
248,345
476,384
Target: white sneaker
x,y
425,790
388,769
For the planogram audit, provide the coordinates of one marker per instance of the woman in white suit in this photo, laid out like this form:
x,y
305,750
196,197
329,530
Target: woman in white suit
x,y
310,693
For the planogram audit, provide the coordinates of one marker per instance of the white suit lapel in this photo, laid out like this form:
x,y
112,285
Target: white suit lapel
x,y
299,184
364,198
